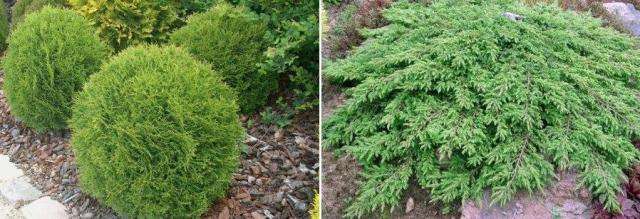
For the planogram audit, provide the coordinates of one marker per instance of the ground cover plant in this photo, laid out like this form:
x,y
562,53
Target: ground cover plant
x,y
50,55
466,98
24,7
166,144
233,40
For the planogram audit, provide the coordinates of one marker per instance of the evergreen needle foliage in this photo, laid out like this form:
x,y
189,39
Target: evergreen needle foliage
x,y
124,23
156,134
464,100
50,56
232,39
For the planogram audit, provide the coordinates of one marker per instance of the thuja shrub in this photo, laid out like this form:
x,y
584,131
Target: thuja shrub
x,y
4,26
24,7
231,39
465,99
50,56
155,134
122,23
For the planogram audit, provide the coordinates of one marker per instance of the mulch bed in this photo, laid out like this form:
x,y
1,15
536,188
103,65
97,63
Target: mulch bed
x,y
277,179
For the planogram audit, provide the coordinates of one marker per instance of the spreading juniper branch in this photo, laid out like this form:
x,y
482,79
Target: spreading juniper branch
x,y
467,100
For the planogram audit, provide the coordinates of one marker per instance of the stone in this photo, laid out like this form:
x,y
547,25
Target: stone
x,y
8,170
256,215
626,14
574,207
19,189
557,199
512,16
44,207
410,205
15,133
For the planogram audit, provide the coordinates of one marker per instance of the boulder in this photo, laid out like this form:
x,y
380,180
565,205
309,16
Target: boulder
x,y
626,14
561,199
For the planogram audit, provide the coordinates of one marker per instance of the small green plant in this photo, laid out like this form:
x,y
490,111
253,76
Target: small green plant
x,y
24,7
466,99
123,23
4,26
293,51
50,56
231,39
164,145
272,117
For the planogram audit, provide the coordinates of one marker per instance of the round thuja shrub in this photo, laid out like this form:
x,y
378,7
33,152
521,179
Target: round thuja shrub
x,y
123,23
232,40
156,133
474,96
24,7
50,56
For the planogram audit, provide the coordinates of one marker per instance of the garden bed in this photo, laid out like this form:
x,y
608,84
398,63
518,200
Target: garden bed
x,y
278,176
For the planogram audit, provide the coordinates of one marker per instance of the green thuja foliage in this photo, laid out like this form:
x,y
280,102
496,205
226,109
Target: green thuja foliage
x,y
50,56
123,23
467,100
156,134
4,26
24,7
232,39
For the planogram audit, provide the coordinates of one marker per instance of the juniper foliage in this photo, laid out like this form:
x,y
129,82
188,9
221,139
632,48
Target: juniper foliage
x,y
466,100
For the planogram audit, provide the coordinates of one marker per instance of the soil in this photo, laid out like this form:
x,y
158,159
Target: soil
x,y
278,176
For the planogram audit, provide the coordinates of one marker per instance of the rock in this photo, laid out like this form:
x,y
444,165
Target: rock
x,y
268,214
410,205
44,207
293,184
574,207
8,170
512,16
87,215
19,189
558,199
251,179
257,215
15,133
299,205
224,214
626,14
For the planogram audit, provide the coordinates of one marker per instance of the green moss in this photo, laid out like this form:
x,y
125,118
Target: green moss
x,y
50,55
466,100
155,134
232,40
